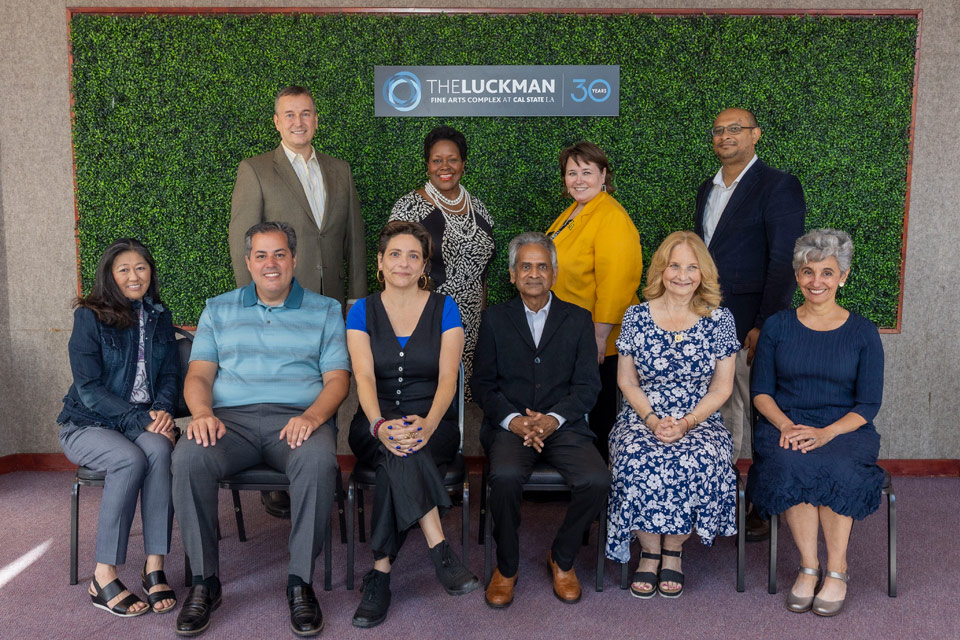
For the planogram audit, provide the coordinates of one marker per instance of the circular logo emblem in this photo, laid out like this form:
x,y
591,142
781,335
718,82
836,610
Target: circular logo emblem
x,y
403,83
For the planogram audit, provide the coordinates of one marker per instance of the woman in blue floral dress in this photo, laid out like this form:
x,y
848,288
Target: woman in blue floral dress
x,y
669,451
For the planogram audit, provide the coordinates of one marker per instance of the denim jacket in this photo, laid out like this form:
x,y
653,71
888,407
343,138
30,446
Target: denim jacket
x,y
103,360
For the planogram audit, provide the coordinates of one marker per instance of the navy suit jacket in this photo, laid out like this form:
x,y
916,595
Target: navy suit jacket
x,y
753,243
511,374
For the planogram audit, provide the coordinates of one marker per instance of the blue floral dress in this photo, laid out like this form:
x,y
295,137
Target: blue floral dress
x,y
688,484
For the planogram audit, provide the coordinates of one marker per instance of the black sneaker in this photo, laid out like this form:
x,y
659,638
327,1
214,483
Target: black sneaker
x,y
376,600
455,578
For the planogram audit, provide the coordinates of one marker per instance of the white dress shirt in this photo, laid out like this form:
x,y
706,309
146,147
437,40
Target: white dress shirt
x,y
717,201
536,320
311,178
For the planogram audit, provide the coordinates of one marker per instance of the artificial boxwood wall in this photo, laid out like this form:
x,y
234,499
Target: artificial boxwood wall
x,y
166,106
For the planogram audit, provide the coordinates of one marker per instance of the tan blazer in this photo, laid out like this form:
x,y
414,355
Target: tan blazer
x,y
268,189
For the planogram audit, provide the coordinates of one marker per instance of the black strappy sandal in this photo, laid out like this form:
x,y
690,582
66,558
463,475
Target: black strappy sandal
x,y
149,581
106,594
648,577
670,575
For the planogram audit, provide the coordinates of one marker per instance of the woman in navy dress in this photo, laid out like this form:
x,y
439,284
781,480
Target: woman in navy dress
x,y
817,383
669,451
405,345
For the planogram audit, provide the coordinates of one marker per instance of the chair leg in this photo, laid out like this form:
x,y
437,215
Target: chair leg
x,y
741,535
238,511
624,583
74,525
892,543
487,543
465,508
772,560
328,559
601,543
586,538
351,514
187,573
361,519
483,505
341,513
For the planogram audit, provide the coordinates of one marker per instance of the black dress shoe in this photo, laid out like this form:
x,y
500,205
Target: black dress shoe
x,y
758,529
276,503
456,579
194,616
376,600
305,616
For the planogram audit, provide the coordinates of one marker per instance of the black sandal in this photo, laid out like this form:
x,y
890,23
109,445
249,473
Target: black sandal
x,y
670,575
149,581
111,591
648,577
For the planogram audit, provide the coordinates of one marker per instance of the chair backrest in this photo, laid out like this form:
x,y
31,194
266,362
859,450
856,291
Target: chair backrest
x,y
460,384
184,345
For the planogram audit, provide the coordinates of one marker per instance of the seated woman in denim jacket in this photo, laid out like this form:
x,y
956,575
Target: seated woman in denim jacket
x,y
118,418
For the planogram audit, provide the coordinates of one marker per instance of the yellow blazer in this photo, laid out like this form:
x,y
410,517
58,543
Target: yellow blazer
x,y
600,261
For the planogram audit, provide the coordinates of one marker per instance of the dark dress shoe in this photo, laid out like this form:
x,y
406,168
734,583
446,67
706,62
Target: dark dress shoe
x,y
376,600
758,529
456,579
194,616
500,590
276,503
565,584
305,616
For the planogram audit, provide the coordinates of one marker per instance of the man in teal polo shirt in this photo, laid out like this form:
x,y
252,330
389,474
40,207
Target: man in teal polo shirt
x,y
268,371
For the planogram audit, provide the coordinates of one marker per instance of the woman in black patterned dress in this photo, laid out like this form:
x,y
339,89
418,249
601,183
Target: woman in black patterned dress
x,y
461,228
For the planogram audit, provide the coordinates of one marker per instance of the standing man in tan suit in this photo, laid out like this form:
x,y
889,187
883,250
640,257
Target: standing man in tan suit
x,y
313,193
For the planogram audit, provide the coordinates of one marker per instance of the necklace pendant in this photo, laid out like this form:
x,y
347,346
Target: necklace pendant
x,y
678,337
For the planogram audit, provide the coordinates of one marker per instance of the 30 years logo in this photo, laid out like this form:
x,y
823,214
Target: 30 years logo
x,y
598,90
408,84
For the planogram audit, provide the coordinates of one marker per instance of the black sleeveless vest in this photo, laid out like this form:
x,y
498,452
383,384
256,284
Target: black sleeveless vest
x,y
406,376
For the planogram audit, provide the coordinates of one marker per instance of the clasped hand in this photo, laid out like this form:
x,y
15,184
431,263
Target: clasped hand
x,y
405,435
669,429
163,424
800,437
534,428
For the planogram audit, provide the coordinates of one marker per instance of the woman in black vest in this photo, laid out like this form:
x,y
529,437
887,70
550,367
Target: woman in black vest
x,y
405,345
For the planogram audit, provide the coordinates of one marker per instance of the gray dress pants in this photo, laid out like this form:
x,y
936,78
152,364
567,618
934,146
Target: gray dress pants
x,y
139,468
253,437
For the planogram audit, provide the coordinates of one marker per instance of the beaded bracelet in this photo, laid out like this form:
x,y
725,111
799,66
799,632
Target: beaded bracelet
x,y
644,420
376,426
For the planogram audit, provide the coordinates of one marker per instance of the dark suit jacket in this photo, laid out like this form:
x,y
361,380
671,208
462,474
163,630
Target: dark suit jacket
x,y
753,243
268,189
511,375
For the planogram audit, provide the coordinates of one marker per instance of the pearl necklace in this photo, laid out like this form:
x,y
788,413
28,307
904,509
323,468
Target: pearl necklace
x,y
461,221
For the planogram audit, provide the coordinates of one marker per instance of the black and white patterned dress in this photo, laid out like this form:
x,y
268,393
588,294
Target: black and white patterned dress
x,y
688,484
459,265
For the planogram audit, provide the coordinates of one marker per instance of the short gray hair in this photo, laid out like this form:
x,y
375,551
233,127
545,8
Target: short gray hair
x,y
532,237
270,227
820,244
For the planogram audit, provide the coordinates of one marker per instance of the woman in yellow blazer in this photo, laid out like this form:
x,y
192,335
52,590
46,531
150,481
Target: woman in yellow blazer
x,y
600,264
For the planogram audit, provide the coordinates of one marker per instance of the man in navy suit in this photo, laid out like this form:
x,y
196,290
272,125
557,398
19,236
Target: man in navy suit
x,y
749,215
535,377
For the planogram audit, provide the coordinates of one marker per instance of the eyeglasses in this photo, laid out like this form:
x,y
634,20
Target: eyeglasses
x,y
732,129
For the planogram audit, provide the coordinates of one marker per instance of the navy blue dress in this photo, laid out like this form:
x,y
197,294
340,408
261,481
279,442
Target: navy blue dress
x,y
816,378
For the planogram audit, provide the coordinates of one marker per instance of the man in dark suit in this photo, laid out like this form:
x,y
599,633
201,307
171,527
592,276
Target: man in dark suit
x,y
749,215
535,377
314,194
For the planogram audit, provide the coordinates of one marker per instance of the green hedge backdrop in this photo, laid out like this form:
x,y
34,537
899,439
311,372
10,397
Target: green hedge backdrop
x,y
166,106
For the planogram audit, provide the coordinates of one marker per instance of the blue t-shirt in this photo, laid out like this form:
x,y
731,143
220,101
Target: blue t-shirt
x,y
357,318
274,355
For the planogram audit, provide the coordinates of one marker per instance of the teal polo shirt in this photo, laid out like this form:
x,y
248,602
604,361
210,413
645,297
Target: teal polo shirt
x,y
273,355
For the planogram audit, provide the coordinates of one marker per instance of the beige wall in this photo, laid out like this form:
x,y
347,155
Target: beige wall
x,y
38,255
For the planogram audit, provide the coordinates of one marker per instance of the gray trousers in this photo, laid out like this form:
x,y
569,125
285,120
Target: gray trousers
x,y
253,437
139,468
736,410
